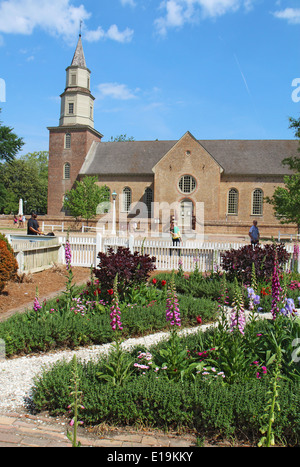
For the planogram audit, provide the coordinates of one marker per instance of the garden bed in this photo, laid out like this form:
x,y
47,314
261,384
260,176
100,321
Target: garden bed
x,y
229,381
20,295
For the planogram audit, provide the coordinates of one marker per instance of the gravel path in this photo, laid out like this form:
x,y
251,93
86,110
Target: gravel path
x,y
16,375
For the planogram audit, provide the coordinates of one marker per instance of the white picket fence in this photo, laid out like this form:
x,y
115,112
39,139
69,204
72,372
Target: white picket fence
x,y
205,256
35,254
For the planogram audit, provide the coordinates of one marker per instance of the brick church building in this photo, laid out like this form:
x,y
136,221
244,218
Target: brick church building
x,y
230,177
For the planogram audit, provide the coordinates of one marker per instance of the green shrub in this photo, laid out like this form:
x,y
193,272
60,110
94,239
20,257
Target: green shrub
x,y
44,331
210,408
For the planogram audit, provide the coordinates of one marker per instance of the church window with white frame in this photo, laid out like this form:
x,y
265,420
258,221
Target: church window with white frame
x,y
126,199
187,184
233,201
257,202
67,141
67,171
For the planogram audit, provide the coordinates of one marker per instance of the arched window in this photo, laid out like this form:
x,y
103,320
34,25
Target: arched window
x,y
257,202
126,199
233,201
187,184
67,170
148,198
67,141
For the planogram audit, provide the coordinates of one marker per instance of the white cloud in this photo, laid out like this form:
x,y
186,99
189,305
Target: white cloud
x,y
179,12
116,35
292,15
94,36
112,33
56,17
116,91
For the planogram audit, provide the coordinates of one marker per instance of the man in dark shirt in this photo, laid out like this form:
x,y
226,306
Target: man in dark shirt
x,y
33,227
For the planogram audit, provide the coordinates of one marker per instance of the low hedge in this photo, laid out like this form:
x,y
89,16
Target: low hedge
x,y
212,409
44,331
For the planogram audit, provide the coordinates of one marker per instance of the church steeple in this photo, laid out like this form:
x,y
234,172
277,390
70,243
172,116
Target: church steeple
x,y
79,59
77,102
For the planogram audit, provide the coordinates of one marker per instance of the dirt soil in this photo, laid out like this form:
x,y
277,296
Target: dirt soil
x,y
20,296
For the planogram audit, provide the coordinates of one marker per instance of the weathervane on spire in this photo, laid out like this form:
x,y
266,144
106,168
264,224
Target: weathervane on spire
x,y
80,26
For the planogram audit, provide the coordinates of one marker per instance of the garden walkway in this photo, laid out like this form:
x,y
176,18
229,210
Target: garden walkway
x,y
23,430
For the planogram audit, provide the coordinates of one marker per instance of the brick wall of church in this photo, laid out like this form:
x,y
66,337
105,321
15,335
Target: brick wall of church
x,y
81,141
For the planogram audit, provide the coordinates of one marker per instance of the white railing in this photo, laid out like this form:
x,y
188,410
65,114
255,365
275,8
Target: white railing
x,y
53,226
33,256
206,256
36,255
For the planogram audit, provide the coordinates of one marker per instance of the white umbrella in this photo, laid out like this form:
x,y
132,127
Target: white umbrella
x,y
20,213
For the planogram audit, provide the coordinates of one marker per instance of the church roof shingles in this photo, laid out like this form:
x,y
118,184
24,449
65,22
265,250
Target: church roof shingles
x,y
236,157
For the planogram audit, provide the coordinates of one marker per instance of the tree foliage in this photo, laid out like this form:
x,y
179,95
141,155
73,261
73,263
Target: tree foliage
x,y
286,200
121,138
26,178
83,199
10,143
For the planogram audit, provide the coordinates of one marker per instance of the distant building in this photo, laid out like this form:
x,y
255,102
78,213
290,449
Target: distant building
x,y
231,177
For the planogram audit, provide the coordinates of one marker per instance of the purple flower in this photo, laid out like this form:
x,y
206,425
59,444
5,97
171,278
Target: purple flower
x,y
289,308
68,254
276,291
172,310
256,300
115,312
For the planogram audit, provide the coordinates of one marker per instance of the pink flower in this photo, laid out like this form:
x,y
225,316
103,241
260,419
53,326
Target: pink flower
x,y
68,254
36,304
172,310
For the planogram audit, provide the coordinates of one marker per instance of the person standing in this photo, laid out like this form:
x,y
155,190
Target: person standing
x,y
175,232
33,227
254,234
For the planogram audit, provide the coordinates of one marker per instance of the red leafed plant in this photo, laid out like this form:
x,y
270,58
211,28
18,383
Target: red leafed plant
x,y
238,263
8,265
131,268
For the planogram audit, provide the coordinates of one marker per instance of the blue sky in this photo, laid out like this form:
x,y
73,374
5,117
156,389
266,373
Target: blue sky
x,y
222,69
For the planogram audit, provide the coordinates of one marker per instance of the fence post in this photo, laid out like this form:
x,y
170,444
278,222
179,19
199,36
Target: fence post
x,y
98,247
20,260
130,243
61,251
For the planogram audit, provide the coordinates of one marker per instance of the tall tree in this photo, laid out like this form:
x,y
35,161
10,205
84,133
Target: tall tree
x,y
286,200
26,178
10,143
83,199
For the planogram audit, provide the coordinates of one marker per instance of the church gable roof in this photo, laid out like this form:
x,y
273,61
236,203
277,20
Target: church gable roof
x,y
236,157
128,157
